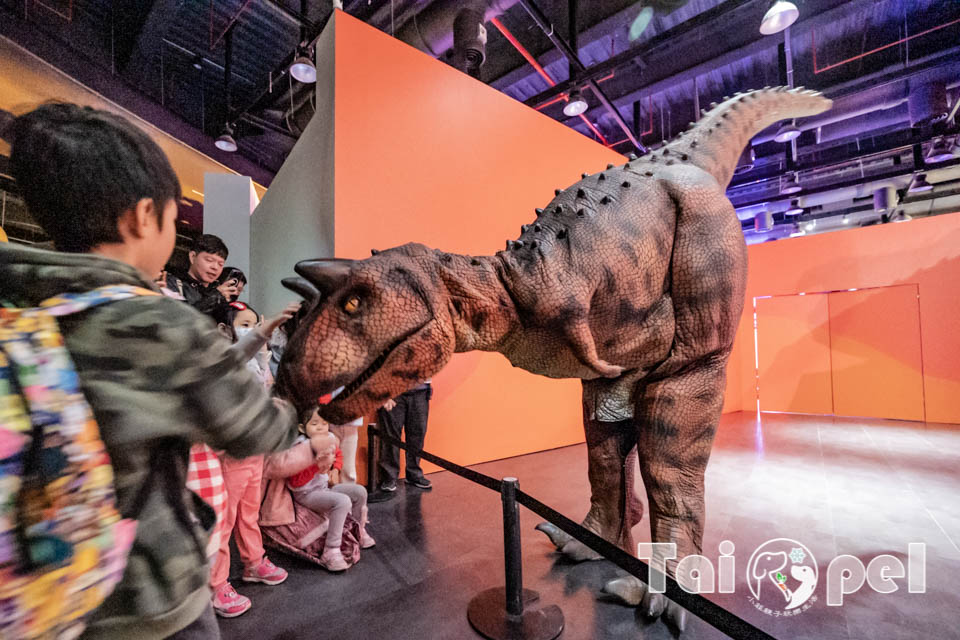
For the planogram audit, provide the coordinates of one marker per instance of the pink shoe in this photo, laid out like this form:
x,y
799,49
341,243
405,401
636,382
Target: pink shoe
x,y
265,572
366,540
333,560
227,603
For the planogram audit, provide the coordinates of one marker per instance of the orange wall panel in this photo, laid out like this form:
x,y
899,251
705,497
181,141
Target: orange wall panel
x,y
875,337
425,153
921,252
793,349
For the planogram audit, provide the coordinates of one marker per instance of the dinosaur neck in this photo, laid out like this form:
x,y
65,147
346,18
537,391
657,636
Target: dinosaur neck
x,y
483,313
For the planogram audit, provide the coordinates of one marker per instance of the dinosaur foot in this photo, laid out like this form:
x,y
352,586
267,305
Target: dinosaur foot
x,y
634,592
571,549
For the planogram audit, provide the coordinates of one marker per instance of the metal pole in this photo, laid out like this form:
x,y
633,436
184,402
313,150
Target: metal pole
x,y
513,566
371,458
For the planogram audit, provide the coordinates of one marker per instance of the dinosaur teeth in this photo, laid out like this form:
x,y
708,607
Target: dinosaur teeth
x,y
609,166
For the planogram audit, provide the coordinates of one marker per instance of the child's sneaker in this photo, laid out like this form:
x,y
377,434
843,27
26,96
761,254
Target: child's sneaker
x,y
227,603
366,540
333,560
265,572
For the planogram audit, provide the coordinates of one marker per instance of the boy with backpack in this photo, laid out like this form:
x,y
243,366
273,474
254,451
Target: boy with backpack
x,y
156,373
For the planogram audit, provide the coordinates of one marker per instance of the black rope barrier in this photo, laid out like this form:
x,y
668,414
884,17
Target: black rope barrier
x,y
712,613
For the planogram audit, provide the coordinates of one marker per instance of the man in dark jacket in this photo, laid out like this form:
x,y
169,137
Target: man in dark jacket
x,y
156,373
199,287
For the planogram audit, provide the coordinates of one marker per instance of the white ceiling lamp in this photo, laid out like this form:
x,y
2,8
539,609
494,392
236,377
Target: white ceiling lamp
x,y
779,16
576,105
226,142
303,70
795,209
787,132
790,184
940,151
919,184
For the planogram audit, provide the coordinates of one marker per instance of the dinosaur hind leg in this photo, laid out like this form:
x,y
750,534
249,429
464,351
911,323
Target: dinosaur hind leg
x,y
614,507
677,419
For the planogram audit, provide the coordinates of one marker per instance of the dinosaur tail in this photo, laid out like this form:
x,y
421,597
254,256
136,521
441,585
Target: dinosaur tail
x,y
715,142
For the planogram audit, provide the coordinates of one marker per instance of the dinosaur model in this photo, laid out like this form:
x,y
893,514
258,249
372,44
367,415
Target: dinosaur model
x,y
632,280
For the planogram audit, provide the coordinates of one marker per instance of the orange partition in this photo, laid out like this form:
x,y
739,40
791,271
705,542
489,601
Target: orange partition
x,y
425,153
877,367
922,253
793,353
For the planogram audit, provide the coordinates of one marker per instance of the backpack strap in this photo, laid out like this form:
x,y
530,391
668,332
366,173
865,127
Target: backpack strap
x,y
68,303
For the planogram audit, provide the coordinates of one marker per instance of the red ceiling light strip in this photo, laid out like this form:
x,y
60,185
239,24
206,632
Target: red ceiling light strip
x,y
813,40
546,76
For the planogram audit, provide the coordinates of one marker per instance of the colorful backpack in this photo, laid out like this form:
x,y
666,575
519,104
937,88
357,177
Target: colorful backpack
x,y
63,543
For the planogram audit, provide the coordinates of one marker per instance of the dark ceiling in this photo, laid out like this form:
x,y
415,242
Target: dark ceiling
x,y
165,59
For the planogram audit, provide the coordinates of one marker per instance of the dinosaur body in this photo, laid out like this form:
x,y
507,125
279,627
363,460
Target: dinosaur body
x,y
632,280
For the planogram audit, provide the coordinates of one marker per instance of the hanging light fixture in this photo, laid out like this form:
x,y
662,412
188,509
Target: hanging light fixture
x,y
226,142
779,16
795,208
640,23
790,184
940,151
576,105
787,132
303,70
919,184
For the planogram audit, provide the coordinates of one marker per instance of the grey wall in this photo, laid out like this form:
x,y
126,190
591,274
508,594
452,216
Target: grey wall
x,y
295,220
227,204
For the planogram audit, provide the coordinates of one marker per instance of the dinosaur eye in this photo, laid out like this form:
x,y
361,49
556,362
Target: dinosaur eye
x,y
352,305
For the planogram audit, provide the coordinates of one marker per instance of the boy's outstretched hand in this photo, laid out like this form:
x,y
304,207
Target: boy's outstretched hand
x,y
270,324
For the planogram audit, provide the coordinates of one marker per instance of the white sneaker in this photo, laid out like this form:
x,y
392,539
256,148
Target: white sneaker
x,y
366,540
333,560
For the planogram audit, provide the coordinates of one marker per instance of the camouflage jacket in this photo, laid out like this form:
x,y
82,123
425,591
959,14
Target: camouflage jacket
x,y
158,377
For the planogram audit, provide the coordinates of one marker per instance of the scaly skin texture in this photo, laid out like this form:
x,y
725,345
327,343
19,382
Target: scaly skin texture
x,y
632,280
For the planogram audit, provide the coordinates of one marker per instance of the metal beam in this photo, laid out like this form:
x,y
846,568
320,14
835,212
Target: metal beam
x,y
576,63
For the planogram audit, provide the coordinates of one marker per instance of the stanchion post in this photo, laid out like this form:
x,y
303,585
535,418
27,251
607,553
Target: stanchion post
x,y
512,553
372,443
512,612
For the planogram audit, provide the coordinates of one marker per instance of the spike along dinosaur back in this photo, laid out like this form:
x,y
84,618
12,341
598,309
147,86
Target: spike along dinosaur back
x,y
632,280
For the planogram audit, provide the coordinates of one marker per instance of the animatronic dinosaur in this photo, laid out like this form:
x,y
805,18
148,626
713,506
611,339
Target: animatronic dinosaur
x,y
632,280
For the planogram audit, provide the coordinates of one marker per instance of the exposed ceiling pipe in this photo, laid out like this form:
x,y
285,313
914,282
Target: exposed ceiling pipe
x,y
577,66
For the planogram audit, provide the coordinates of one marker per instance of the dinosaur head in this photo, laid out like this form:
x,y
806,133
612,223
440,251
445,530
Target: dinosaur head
x,y
377,328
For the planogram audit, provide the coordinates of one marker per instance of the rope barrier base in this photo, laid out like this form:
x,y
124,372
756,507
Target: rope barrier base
x,y
487,613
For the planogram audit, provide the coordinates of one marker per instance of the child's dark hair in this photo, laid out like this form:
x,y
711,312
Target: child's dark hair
x,y
209,243
232,272
227,312
79,169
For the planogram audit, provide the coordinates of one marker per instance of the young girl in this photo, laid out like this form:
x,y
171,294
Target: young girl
x,y
311,488
241,325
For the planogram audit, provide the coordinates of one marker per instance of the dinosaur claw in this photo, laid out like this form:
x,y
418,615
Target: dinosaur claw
x,y
629,590
556,535
676,616
608,370
579,552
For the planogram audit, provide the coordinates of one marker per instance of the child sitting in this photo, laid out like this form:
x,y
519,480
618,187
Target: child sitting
x,y
311,488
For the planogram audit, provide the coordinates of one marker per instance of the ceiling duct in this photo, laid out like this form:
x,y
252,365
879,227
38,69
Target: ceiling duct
x,y
469,41
432,30
928,103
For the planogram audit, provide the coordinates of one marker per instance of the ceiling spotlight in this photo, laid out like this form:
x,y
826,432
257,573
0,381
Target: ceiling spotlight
x,y
810,226
226,142
795,208
779,16
198,62
303,70
940,151
790,184
845,219
787,132
576,105
919,184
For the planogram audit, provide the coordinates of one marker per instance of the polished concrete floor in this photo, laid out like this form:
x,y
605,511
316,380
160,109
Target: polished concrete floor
x,y
838,485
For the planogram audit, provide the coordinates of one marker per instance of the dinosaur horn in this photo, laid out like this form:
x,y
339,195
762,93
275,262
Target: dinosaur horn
x,y
327,274
303,288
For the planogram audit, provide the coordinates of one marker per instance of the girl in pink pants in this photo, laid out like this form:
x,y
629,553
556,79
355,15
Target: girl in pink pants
x,y
242,478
